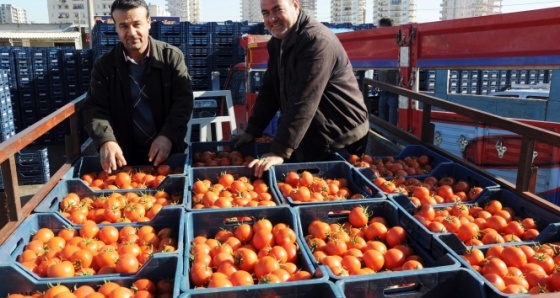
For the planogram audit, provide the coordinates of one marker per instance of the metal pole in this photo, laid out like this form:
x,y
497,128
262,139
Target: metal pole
x,y
91,21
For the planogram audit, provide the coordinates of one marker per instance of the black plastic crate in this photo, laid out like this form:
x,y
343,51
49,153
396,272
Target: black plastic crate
x,y
330,169
433,260
457,283
174,186
208,223
194,30
16,280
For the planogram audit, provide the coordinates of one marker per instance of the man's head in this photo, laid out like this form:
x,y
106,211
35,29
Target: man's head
x,y
385,22
280,16
132,22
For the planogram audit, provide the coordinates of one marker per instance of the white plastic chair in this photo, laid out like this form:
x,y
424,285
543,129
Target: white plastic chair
x,y
206,123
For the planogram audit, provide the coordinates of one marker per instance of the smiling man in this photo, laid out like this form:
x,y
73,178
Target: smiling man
x,y
311,81
140,97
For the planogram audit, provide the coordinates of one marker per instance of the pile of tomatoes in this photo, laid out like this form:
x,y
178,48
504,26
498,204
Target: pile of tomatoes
x,y
388,166
430,190
260,253
129,177
141,288
478,225
518,269
362,245
94,250
305,187
230,191
116,207
220,158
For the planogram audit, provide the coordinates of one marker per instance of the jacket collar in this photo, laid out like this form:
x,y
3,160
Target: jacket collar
x,y
302,21
155,54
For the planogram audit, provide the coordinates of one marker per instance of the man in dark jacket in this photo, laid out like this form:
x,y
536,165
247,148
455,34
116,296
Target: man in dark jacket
x,y
309,78
140,97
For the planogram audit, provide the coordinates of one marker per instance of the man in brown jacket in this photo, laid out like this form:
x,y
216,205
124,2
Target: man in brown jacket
x,y
309,78
140,98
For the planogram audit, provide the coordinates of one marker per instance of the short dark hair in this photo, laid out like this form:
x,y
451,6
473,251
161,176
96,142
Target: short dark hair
x,y
386,22
128,5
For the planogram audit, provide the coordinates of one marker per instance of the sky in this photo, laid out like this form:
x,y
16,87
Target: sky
x,y
222,10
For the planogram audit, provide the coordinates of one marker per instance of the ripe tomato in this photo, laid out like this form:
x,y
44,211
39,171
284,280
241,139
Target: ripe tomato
x,y
61,269
358,216
373,259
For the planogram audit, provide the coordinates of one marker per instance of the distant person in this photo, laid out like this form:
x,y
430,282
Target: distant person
x,y
140,97
388,102
310,80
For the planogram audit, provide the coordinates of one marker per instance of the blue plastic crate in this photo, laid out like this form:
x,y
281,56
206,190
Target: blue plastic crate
x,y
456,283
88,164
330,169
18,280
521,207
208,223
198,52
227,28
213,173
197,148
14,245
272,127
322,289
433,260
51,203
194,30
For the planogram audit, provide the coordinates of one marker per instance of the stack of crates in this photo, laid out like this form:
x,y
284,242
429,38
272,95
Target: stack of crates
x,y
70,62
225,40
104,37
85,62
32,167
25,103
7,126
57,82
199,53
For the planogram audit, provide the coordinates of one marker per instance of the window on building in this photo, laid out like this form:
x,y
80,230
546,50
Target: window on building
x,y
396,2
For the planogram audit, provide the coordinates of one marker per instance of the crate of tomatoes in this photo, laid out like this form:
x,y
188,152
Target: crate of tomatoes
x,y
321,183
78,203
229,187
88,169
498,216
447,183
220,154
358,239
516,269
413,160
161,279
244,249
48,248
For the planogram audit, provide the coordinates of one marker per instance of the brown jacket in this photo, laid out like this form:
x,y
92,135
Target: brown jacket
x,y
315,89
108,106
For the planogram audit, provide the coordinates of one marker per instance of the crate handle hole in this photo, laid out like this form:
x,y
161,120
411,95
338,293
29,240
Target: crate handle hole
x,y
402,290
233,221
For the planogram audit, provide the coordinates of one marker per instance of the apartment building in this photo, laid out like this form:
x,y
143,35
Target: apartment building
x,y
76,11
456,9
251,9
10,14
186,10
401,11
348,11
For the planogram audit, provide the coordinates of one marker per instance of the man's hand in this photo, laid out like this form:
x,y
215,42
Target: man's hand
x,y
111,156
159,151
242,139
264,163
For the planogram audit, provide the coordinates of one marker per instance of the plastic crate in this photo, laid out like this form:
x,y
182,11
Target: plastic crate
x,y
51,203
322,289
213,173
433,260
198,29
215,147
18,280
88,164
330,169
415,151
456,283
546,220
208,223
173,218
